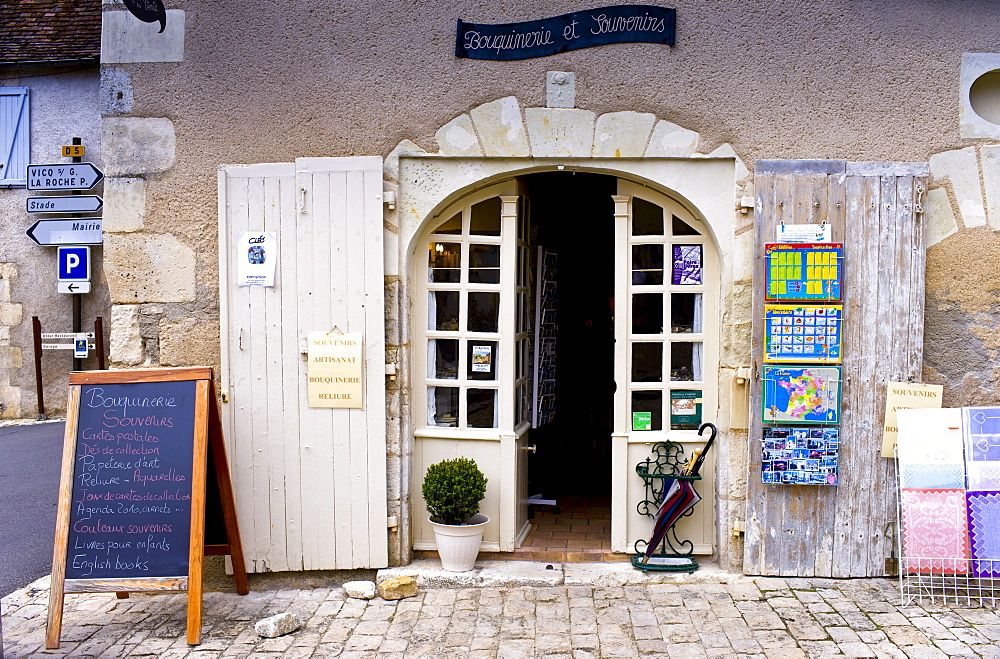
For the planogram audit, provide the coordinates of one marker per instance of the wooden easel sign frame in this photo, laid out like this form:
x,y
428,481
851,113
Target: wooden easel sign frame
x,y
136,488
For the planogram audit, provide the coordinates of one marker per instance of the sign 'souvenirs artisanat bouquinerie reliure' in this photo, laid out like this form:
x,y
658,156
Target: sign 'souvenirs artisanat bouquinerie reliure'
x,y
581,29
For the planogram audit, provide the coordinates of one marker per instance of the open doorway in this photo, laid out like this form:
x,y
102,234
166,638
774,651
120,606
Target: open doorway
x,y
572,232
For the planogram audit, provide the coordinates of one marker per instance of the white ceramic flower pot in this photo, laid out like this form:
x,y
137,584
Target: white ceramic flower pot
x,y
458,546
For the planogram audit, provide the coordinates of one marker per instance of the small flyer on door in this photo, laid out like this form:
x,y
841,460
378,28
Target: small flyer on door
x,y
482,358
257,256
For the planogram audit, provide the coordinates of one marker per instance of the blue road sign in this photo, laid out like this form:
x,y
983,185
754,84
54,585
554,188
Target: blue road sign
x,y
74,263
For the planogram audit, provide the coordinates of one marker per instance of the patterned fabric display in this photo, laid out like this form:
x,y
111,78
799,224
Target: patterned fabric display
x,y
935,537
982,446
929,447
984,524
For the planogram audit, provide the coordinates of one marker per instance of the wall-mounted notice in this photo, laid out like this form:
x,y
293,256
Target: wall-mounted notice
x,y
800,456
905,396
802,334
257,254
801,394
803,272
804,233
335,370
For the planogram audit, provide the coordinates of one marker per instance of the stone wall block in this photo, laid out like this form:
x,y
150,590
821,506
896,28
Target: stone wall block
x,y
124,38
390,166
961,168
10,357
458,138
7,273
188,341
134,145
116,91
671,141
744,248
149,268
991,180
501,128
126,345
727,151
622,134
10,402
11,313
124,204
939,218
555,132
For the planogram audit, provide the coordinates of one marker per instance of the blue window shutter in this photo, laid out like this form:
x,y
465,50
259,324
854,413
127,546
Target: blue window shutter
x,y
15,129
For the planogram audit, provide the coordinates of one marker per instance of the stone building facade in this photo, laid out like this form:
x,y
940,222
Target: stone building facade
x,y
744,82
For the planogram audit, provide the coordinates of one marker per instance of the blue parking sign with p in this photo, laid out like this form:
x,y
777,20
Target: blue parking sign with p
x,y
74,263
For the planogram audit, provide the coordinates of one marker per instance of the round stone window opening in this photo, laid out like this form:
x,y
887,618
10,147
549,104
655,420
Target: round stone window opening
x,y
984,96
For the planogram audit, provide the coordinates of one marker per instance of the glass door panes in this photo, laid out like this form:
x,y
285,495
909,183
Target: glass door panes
x,y
666,339
463,337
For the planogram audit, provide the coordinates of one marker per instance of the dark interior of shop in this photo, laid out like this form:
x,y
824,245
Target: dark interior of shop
x,y
572,214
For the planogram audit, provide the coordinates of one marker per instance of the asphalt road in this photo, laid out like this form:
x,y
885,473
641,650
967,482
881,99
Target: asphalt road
x,y
30,458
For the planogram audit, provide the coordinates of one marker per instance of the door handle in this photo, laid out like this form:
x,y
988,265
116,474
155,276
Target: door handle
x,y
532,448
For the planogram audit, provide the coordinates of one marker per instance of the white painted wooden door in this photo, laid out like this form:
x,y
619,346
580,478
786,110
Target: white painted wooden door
x,y
666,354
310,483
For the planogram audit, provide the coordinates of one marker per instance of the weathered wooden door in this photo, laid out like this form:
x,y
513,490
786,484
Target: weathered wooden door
x,y
310,483
875,210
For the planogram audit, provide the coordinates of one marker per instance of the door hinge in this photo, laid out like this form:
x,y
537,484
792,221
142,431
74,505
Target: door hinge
x,y
391,521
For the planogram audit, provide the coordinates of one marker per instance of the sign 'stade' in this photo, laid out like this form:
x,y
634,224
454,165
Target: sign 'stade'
x,y
74,204
581,29
148,11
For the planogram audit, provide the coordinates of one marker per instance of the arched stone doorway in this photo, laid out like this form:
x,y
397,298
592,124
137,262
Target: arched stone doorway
x,y
498,142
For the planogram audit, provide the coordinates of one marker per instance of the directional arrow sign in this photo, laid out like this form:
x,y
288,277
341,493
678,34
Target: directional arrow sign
x,y
74,287
67,232
78,204
63,176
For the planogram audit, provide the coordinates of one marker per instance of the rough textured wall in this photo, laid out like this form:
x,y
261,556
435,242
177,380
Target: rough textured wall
x,y
63,106
275,81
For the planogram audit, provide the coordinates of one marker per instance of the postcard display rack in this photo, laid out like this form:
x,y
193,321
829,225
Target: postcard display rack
x,y
546,327
801,376
949,505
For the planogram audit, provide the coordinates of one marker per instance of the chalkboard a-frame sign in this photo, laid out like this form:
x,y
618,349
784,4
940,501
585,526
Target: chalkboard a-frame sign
x,y
136,489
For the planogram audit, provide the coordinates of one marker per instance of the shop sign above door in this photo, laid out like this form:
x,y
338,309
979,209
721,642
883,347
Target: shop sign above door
x,y
581,29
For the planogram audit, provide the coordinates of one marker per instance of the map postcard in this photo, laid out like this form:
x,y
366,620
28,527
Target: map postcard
x,y
807,334
803,272
801,394
800,456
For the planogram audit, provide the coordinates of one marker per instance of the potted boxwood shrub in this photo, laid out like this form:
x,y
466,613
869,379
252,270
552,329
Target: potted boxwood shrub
x,y
452,491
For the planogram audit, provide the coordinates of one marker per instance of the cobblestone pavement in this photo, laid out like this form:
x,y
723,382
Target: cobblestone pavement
x,y
734,617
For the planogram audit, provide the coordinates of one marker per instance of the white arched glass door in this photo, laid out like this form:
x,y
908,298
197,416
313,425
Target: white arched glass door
x,y
470,356
666,355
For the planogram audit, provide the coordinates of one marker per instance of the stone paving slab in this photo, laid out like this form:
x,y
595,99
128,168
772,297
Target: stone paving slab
x,y
532,610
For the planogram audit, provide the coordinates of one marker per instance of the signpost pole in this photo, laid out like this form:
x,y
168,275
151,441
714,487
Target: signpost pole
x,y
77,301
36,330
99,339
